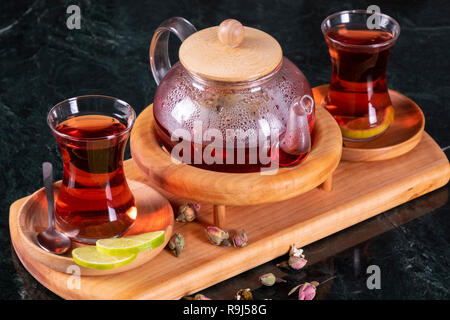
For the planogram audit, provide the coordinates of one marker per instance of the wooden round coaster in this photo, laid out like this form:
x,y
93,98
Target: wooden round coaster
x,y
402,136
206,186
154,213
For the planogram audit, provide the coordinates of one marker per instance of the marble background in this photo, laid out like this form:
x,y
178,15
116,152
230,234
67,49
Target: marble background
x,y
43,62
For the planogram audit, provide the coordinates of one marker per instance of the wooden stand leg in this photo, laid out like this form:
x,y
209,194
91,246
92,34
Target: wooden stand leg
x,y
219,215
327,185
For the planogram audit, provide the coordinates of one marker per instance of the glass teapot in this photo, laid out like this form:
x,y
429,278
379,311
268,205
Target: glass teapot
x,y
232,103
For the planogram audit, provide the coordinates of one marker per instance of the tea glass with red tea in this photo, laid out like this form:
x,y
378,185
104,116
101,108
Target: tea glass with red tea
x,y
359,43
94,200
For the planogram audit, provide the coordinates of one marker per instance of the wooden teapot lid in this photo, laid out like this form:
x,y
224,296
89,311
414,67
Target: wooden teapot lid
x,y
230,53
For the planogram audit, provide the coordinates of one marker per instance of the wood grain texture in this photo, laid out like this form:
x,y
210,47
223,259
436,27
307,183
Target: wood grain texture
x,y
206,56
154,213
231,33
236,188
360,191
401,137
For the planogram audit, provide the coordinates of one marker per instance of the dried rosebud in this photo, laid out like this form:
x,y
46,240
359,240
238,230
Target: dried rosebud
x,y
296,252
244,294
217,236
315,283
240,239
269,279
307,291
199,296
176,244
196,206
296,263
187,212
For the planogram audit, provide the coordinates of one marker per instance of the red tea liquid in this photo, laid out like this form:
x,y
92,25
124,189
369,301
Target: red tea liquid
x,y
274,157
94,201
358,87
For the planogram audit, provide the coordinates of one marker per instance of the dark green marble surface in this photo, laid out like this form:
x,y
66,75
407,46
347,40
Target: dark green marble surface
x,y
43,62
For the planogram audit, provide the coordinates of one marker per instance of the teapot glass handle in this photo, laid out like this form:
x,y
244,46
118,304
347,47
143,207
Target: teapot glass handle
x,y
159,54
297,139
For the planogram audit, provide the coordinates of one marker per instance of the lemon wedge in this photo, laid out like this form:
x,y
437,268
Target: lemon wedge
x,y
359,129
131,244
90,257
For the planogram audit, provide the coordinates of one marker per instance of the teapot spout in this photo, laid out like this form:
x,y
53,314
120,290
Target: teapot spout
x,y
297,139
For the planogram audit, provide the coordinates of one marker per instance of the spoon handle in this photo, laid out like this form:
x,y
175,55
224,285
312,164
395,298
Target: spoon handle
x,y
47,171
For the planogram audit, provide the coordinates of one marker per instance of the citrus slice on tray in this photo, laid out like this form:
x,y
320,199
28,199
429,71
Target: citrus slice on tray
x,y
131,244
90,257
359,128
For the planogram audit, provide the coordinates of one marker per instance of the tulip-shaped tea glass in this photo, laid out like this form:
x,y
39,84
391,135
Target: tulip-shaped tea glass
x,y
359,43
94,201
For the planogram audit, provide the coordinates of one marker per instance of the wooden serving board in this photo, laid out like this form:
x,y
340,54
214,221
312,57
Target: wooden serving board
x,y
360,191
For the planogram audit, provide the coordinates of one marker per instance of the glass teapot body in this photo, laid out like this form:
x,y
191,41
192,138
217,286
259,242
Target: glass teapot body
x,y
235,126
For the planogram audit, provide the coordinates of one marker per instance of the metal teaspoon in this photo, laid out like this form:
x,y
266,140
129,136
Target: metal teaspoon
x,y
51,240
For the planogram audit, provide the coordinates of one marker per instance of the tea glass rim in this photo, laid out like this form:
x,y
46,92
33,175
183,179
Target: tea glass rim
x,y
360,11
95,96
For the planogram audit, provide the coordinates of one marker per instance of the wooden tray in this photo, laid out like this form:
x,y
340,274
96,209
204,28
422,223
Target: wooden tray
x,y
154,213
360,191
401,137
222,189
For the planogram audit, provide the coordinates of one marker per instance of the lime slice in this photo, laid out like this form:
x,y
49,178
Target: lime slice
x,y
131,244
359,129
89,257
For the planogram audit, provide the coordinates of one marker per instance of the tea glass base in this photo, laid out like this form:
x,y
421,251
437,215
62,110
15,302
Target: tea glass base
x,y
367,139
90,241
361,140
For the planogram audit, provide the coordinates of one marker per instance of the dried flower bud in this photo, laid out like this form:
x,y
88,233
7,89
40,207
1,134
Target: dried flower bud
x,y
199,296
307,291
244,294
296,252
217,236
187,212
296,263
176,244
268,279
240,239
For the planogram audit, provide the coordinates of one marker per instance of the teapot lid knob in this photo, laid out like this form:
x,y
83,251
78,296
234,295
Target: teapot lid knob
x,y
231,33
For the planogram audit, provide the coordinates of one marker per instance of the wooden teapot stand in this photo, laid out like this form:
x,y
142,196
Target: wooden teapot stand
x,y
237,189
